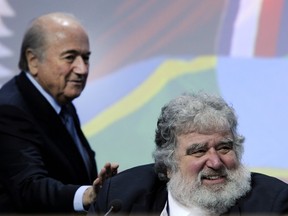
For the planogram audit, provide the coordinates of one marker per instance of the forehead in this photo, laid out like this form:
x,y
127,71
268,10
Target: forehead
x,y
213,139
71,37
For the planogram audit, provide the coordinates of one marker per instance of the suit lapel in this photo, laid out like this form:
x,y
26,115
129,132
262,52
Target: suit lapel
x,y
153,202
45,115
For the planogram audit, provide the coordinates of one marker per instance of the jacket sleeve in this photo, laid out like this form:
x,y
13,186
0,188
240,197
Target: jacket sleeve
x,y
23,174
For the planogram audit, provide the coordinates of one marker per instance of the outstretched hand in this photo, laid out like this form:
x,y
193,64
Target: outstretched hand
x,y
90,194
107,171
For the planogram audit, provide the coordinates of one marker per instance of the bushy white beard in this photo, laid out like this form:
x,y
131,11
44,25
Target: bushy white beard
x,y
216,198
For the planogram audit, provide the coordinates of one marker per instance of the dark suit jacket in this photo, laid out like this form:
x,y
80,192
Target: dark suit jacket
x,y
141,192
40,165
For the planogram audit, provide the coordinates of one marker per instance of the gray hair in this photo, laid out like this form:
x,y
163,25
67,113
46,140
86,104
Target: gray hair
x,y
192,112
34,38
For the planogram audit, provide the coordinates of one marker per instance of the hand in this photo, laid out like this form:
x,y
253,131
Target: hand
x,y
90,193
107,171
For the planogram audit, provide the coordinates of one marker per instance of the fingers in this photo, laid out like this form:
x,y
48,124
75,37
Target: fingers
x,y
97,185
107,171
103,172
114,168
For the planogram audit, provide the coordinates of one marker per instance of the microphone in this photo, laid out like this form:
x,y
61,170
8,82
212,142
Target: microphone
x,y
114,206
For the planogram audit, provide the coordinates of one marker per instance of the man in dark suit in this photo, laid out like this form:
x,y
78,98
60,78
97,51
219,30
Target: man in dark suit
x,y
45,167
197,170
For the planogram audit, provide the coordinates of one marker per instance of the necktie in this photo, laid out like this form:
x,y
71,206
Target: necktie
x,y
68,121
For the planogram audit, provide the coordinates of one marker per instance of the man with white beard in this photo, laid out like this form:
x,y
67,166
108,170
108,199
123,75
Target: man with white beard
x,y
197,170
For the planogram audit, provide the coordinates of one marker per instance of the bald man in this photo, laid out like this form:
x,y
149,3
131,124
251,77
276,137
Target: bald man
x,y
45,165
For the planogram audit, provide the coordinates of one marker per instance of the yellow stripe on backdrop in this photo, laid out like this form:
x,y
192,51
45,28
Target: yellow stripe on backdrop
x,y
279,173
137,98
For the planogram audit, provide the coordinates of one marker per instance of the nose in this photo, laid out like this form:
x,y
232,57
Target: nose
x,y
80,66
214,160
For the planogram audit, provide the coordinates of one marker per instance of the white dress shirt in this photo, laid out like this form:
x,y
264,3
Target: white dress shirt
x,y
177,209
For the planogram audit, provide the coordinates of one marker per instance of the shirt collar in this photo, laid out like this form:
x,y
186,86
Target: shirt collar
x,y
48,97
176,209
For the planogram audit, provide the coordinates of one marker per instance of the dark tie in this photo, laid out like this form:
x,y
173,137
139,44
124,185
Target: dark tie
x,y
68,121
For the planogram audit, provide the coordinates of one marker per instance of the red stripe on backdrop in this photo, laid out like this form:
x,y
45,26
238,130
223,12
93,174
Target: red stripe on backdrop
x,y
192,21
128,45
268,28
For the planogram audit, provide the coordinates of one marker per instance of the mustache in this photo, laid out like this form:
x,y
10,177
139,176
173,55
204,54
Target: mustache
x,y
205,174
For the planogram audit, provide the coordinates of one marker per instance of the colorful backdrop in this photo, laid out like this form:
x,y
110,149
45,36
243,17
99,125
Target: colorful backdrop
x,y
145,52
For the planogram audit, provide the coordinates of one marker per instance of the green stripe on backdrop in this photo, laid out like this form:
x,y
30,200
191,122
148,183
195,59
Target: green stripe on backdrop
x,y
129,141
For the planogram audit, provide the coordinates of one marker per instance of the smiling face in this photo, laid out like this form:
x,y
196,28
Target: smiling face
x,y
206,157
62,69
209,173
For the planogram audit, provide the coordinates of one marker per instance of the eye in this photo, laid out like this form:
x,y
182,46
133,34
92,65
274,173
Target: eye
x,y
197,152
70,58
86,58
224,148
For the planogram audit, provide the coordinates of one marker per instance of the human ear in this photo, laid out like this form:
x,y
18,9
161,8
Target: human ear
x,y
32,61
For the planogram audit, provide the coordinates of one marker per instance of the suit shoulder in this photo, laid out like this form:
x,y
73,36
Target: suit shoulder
x,y
268,194
262,180
140,168
131,186
268,189
131,178
136,173
10,94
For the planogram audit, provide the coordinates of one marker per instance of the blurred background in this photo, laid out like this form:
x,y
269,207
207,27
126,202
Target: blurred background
x,y
145,52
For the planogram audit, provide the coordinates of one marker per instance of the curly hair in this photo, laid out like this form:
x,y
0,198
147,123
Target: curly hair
x,y
192,112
